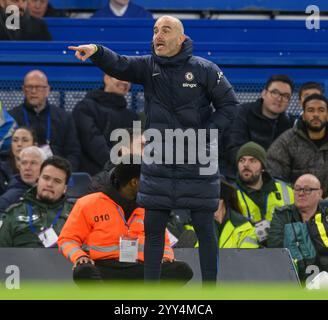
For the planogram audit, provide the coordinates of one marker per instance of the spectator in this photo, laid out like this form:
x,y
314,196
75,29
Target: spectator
x,y
42,8
232,228
22,137
30,28
7,127
136,146
95,247
304,148
308,89
258,193
96,116
31,159
122,9
175,100
265,119
39,217
54,127
302,227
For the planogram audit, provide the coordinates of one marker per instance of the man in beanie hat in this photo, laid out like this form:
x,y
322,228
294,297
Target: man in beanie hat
x,y
258,193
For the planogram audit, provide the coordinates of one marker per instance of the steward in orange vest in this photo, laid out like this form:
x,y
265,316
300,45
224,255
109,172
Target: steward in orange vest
x,y
104,234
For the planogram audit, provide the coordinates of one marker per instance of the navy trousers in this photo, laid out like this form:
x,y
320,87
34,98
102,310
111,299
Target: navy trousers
x,y
155,224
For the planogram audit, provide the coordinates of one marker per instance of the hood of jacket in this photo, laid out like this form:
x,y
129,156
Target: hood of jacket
x,y
184,54
107,99
111,191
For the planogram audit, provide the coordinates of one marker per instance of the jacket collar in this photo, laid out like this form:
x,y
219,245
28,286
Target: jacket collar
x,y
180,58
30,108
30,197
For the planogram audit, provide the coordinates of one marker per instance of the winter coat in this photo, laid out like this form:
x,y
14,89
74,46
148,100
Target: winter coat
x,y
63,137
15,229
96,116
178,92
294,154
251,125
15,190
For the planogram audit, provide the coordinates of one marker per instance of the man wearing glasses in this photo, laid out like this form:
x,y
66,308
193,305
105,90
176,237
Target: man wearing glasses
x,y
304,148
303,227
54,127
261,121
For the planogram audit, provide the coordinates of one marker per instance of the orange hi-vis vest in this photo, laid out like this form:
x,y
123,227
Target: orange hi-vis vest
x,y
94,228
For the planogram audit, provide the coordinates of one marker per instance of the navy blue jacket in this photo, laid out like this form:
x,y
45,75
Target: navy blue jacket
x,y
63,140
15,190
96,116
178,94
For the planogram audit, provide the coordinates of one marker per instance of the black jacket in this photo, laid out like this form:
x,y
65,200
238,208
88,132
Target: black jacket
x,y
251,125
30,28
63,141
15,190
96,116
178,94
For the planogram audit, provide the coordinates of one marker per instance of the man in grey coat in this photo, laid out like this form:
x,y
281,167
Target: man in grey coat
x,y
304,148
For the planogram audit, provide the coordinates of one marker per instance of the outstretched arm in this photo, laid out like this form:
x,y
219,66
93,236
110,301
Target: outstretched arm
x,y
128,68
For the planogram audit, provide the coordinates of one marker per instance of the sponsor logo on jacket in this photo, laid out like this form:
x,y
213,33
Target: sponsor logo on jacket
x,y
189,77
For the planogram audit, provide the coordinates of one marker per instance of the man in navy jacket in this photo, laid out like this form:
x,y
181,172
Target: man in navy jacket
x,y
54,127
181,92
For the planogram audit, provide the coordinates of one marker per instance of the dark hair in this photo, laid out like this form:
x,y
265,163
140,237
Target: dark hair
x,y
228,193
310,85
280,78
124,173
31,131
59,163
315,96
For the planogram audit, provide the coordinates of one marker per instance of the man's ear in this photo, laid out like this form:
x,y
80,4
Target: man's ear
x,y
182,38
263,93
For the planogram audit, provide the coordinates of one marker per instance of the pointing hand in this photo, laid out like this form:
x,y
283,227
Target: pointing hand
x,y
84,51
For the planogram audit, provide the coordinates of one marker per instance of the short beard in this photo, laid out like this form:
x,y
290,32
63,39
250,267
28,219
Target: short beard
x,y
47,200
254,179
315,129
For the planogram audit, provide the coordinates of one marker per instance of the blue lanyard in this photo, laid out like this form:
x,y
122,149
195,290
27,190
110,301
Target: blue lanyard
x,y
28,124
122,216
29,208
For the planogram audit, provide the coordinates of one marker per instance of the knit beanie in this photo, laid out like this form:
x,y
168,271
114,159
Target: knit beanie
x,y
252,149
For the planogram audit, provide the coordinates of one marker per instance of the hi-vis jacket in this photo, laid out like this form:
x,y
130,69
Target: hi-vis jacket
x,y
279,198
237,232
94,228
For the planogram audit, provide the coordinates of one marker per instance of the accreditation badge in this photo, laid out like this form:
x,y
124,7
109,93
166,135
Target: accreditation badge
x,y
128,249
48,237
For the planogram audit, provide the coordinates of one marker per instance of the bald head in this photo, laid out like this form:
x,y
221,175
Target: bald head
x,y
175,22
168,36
308,179
308,193
36,89
36,74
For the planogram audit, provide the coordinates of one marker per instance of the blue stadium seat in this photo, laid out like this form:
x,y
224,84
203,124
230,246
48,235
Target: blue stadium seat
x,y
78,184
